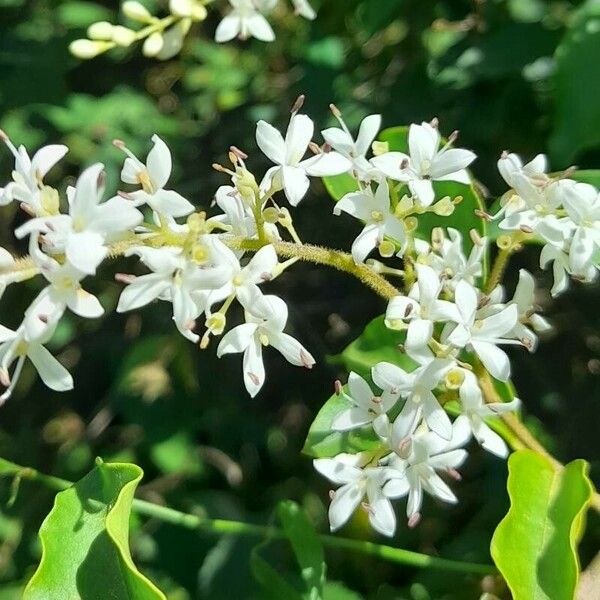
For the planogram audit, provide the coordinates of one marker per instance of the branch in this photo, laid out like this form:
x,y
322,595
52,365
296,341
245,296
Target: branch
x,y
222,527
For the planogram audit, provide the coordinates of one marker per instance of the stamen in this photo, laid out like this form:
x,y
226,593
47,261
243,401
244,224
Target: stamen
x,y
125,278
337,386
239,153
414,520
298,104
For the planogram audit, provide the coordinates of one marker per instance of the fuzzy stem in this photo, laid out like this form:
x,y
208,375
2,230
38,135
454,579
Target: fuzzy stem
x,y
223,527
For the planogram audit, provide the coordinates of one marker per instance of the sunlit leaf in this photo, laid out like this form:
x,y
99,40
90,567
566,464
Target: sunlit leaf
x,y
535,545
85,549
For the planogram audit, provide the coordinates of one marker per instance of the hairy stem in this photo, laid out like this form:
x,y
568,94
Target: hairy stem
x,y
224,527
342,261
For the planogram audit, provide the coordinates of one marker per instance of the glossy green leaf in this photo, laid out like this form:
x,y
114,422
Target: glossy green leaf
x,y
535,545
577,87
85,550
339,185
307,547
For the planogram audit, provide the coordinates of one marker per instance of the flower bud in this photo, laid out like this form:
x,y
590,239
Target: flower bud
x,y
88,48
196,222
380,148
387,249
444,208
102,30
136,11
153,44
271,215
123,36
411,223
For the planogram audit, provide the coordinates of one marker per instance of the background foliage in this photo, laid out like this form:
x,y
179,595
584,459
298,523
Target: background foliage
x,y
510,74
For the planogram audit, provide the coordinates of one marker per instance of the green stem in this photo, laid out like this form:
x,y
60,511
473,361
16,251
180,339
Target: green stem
x,y
227,527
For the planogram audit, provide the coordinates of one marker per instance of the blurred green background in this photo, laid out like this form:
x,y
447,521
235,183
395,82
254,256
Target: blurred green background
x,y
522,75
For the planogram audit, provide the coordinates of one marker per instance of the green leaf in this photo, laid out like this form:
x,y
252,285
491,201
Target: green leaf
x,y
306,544
375,344
339,185
85,551
535,545
577,87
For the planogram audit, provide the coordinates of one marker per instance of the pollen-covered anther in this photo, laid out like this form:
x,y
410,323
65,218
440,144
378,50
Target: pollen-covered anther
x,y
125,278
239,153
337,386
526,229
298,104
4,377
482,215
454,474
414,520
314,148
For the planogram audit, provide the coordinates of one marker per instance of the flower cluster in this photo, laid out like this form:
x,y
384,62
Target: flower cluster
x,y
455,319
163,37
562,213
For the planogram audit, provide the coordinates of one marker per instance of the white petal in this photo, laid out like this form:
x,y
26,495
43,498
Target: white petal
x,y
436,418
338,139
270,141
381,515
401,308
344,503
336,470
142,291
451,162
422,189
254,369
489,439
85,305
229,27
360,391
237,340
325,164
295,184
391,377
168,202
436,486
417,340
259,28
494,359
87,192
423,142
495,326
293,351
261,266
365,242
350,418
390,165
298,136
85,251
116,215
465,298
366,134
159,163
52,373
45,158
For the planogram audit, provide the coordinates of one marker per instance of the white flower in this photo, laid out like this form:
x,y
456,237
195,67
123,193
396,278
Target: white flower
x,y
582,203
560,267
16,345
524,299
428,453
450,260
304,9
422,307
417,388
475,410
245,21
374,210
153,177
27,185
426,163
365,406
264,327
535,170
534,208
178,279
342,141
82,234
483,334
64,292
291,172
242,281
356,483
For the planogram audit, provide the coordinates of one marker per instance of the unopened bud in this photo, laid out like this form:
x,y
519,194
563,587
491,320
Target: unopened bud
x,y
444,208
102,30
271,214
386,249
380,148
123,36
85,49
411,224
153,44
136,11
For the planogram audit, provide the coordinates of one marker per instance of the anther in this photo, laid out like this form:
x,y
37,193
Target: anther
x,y
337,386
239,153
124,278
298,104
335,110
414,520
